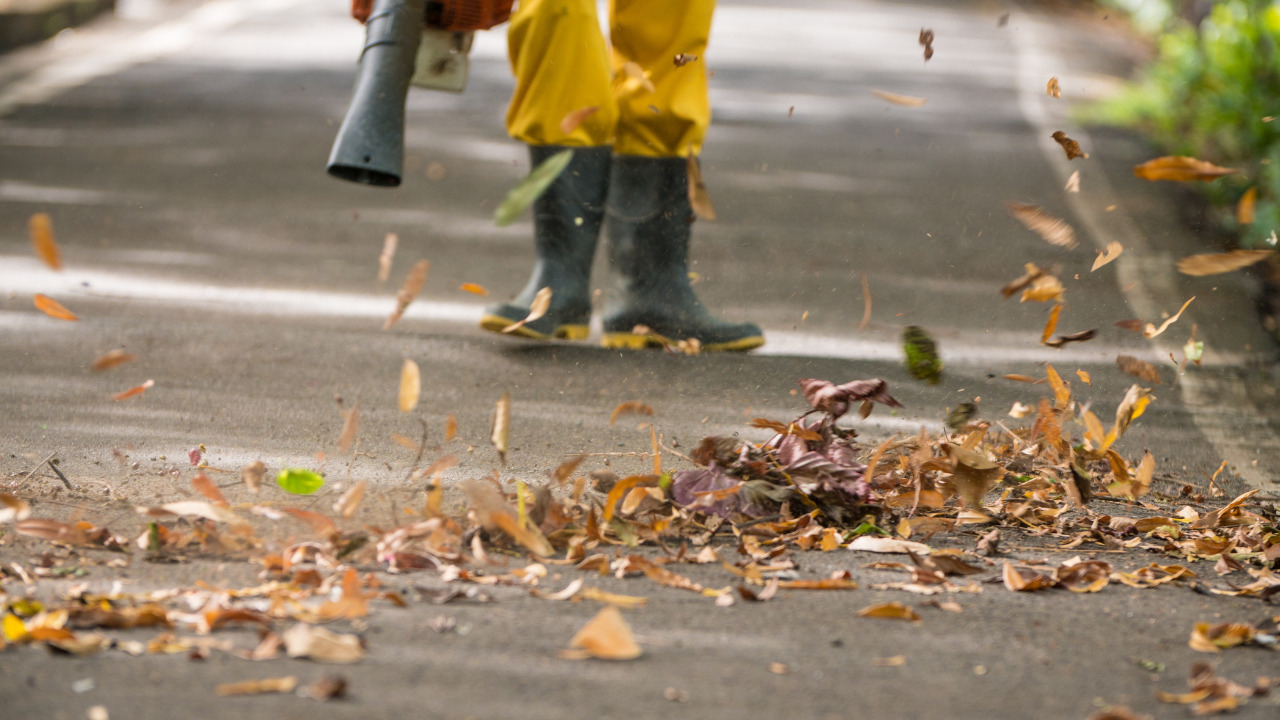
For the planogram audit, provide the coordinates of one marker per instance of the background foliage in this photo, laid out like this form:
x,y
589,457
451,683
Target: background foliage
x,y
1213,91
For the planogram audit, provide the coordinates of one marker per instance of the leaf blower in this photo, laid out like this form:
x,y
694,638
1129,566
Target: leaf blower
x,y
431,37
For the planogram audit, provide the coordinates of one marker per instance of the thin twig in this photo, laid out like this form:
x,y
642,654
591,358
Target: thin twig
x,y
61,477
422,448
33,470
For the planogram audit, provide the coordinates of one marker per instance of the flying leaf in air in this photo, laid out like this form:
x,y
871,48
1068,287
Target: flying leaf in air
x,y
41,227
531,187
1052,88
1215,263
1051,324
350,426
299,481
574,118
926,39
413,283
1081,336
896,99
921,355
134,391
350,500
633,407
474,289
111,359
699,198
1112,252
607,636
539,307
1054,231
1180,168
388,254
501,430
1069,146
1140,369
1032,273
410,385
1246,209
1073,182
1151,330
53,308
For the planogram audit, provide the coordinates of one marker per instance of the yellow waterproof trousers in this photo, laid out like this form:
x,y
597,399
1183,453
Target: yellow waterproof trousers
x,y
647,104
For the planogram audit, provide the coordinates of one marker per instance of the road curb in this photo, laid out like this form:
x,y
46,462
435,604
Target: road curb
x,y
23,23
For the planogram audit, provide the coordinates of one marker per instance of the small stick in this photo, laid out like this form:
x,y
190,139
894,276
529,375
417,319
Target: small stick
x,y
61,477
33,470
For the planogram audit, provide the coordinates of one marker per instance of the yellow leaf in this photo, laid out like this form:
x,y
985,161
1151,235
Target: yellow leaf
x,y
410,385
606,636
1061,393
1053,230
1180,168
699,198
14,629
1151,330
1053,88
630,602
1215,263
413,283
1084,377
633,407
890,611
895,99
539,307
1043,289
53,308
1052,323
474,289
1246,209
41,227
1112,252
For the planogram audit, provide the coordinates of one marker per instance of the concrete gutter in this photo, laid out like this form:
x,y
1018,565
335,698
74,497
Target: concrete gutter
x,y
23,22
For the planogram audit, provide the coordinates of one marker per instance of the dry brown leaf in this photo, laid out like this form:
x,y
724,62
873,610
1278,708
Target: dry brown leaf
x,y
134,391
350,500
926,39
474,289
1025,579
410,385
574,118
1053,88
308,641
41,227
630,602
633,407
1111,253
206,487
1051,324
252,475
13,508
1140,369
321,525
350,427
890,611
1031,275
112,359
1054,231
821,584
258,687
868,543
450,427
1134,325
1246,209
699,198
494,513
1080,336
1073,183
539,307
896,99
1150,330
501,428
388,254
1084,377
606,637
1131,408
1180,168
1215,263
1214,638
52,308
413,283
1043,289
1069,146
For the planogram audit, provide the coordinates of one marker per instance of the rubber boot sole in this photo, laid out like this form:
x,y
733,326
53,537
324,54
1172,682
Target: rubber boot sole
x,y
499,324
642,341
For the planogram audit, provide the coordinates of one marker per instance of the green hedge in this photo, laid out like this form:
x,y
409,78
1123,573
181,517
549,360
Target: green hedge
x,y
1213,92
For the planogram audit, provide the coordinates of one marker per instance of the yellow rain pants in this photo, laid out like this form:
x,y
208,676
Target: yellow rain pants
x,y
647,105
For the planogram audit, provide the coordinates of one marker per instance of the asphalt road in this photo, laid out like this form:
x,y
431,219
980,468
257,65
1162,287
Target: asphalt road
x,y
180,151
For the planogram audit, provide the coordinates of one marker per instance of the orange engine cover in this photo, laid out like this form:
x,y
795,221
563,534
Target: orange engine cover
x,y
467,14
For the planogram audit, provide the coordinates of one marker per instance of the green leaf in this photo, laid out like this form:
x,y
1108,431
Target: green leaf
x,y
922,355
299,481
866,528
533,185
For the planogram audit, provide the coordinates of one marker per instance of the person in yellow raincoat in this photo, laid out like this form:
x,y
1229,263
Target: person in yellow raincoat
x,y
649,89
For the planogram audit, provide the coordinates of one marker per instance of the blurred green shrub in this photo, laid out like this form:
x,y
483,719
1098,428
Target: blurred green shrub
x,y
1213,92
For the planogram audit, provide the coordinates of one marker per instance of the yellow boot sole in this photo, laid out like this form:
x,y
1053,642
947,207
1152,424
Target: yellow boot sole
x,y
499,324
642,341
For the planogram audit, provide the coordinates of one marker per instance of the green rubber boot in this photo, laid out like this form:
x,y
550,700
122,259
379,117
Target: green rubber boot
x,y
566,227
650,224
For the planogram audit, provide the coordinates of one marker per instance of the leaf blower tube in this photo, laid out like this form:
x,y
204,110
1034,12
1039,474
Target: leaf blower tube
x,y
370,144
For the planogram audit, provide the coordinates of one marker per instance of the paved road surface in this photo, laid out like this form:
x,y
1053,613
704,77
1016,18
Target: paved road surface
x,y
180,151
